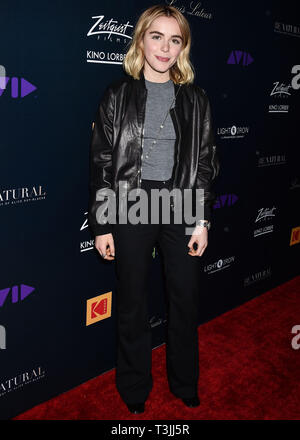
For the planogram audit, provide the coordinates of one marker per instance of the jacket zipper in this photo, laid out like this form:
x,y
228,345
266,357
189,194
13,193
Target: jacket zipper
x,y
141,157
212,161
177,154
142,145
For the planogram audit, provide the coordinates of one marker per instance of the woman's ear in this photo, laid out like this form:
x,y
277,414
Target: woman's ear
x,y
141,44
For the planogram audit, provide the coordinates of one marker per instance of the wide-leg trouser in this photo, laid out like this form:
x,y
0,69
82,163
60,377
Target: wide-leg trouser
x,y
133,257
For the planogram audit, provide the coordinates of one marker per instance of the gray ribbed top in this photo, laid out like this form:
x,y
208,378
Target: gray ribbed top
x,y
160,164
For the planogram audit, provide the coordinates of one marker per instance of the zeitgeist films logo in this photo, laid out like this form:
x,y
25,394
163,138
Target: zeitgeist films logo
x,y
281,92
113,36
264,214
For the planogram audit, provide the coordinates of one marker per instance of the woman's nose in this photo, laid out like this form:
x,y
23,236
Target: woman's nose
x,y
165,46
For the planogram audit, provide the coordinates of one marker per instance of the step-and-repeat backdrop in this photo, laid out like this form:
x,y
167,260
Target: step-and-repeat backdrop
x,y
57,296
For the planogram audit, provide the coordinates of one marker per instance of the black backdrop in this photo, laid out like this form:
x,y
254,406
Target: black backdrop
x,y
57,308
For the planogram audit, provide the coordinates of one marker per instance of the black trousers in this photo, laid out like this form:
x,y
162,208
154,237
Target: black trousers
x,y
133,250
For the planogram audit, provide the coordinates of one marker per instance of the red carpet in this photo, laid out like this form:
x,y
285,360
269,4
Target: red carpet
x,y
248,371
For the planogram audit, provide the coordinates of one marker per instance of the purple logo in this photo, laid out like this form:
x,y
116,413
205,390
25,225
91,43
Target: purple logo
x,y
225,200
240,57
15,84
18,293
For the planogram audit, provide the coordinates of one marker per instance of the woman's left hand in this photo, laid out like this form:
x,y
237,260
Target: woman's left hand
x,y
199,237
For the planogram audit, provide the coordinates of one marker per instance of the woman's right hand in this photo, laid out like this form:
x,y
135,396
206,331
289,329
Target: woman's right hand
x,y
105,246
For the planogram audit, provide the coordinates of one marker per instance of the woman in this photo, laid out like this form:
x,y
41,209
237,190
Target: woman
x,y
153,131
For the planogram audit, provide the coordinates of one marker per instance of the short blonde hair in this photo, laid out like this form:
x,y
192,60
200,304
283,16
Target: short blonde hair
x,y
182,71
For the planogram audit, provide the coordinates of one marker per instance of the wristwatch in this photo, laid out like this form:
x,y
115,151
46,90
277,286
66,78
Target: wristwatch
x,y
204,223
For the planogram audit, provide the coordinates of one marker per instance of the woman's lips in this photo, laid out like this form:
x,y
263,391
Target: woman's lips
x,y
162,59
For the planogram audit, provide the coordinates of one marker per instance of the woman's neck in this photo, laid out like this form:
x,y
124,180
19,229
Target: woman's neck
x,y
156,76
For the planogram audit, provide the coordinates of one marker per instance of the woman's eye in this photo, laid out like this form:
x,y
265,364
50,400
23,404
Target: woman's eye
x,y
174,40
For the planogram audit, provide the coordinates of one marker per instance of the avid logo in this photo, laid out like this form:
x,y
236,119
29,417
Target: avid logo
x,y
240,57
225,200
19,87
18,293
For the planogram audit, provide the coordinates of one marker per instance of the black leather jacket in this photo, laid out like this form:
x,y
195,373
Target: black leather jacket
x,y
116,143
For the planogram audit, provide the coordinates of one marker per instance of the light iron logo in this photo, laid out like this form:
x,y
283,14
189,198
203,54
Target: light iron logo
x,y
219,265
193,8
263,215
16,196
287,29
233,132
20,380
110,32
271,160
240,57
258,276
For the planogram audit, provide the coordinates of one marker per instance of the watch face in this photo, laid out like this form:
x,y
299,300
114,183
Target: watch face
x,y
205,224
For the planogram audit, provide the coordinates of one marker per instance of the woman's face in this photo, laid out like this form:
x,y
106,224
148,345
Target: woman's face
x,y
162,44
